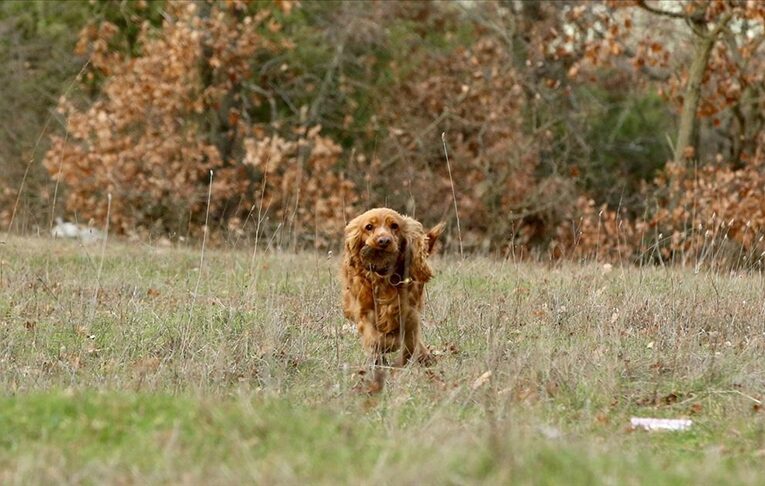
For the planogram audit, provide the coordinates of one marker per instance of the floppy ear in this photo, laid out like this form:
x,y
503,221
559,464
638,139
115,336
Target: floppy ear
x,y
352,244
432,236
417,251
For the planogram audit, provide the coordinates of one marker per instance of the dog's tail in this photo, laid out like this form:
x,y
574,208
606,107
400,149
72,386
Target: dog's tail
x,y
432,236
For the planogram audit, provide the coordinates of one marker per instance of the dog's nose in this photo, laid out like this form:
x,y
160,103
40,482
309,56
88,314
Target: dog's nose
x,y
384,241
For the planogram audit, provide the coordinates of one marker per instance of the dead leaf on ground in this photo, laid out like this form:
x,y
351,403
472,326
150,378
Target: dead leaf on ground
x,y
481,380
147,365
670,398
373,385
436,377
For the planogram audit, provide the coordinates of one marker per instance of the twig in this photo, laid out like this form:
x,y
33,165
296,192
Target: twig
x,y
204,242
454,194
328,76
103,250
696,16
58,181
735,392
417,138
260,211
717,392
34,150
201,265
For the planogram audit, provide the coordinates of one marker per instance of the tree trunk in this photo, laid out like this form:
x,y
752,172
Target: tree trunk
x,y
702,50
691,97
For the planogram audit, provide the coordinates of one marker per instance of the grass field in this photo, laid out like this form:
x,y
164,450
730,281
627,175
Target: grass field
x,y
143,368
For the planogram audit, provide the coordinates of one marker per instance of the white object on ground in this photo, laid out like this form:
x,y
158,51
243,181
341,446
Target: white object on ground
x,y
89,234
549,432
65,229
660,424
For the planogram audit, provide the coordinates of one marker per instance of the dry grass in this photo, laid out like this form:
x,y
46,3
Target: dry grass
x,y
256,382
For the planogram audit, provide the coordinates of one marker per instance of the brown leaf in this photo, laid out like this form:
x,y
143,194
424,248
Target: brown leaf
x,y
481,380
670,399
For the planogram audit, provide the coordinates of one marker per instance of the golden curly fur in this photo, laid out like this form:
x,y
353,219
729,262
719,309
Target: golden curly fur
x,y
384,271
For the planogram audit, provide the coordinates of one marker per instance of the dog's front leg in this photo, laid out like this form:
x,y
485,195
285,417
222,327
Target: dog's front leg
x,y
375,343
412,345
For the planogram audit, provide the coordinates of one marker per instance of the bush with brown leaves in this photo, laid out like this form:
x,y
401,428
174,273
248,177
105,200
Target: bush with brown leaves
x,y
168,117
303,118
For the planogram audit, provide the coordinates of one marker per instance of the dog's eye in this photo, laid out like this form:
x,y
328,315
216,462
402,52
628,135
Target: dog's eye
x,y
394,226
369,227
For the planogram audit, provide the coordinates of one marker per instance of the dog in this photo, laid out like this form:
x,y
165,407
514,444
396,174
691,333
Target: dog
x,y
384,272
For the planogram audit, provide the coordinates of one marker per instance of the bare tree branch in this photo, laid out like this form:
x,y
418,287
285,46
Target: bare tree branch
x,y
695,17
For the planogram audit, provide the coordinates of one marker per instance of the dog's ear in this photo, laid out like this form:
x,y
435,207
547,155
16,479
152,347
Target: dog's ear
x,y
352,244
432,236
417,251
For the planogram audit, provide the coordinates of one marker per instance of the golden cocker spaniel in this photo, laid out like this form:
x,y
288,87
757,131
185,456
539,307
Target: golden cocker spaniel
x,y
384,271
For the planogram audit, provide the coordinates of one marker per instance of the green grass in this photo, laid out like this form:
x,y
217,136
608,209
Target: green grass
x,y
131,379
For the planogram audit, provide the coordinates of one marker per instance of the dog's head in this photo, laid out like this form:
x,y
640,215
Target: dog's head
x,y
385,242
375,240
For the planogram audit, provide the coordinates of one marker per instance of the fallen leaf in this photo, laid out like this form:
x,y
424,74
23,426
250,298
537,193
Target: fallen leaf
x,y
670,399
481,380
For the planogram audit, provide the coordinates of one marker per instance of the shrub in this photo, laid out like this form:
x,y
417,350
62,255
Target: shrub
x,y
168,116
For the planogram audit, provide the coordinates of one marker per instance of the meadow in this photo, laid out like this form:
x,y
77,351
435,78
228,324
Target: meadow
x,y
137,364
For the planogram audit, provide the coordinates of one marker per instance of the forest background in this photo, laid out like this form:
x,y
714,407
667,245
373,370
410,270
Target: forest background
x,y
617,130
